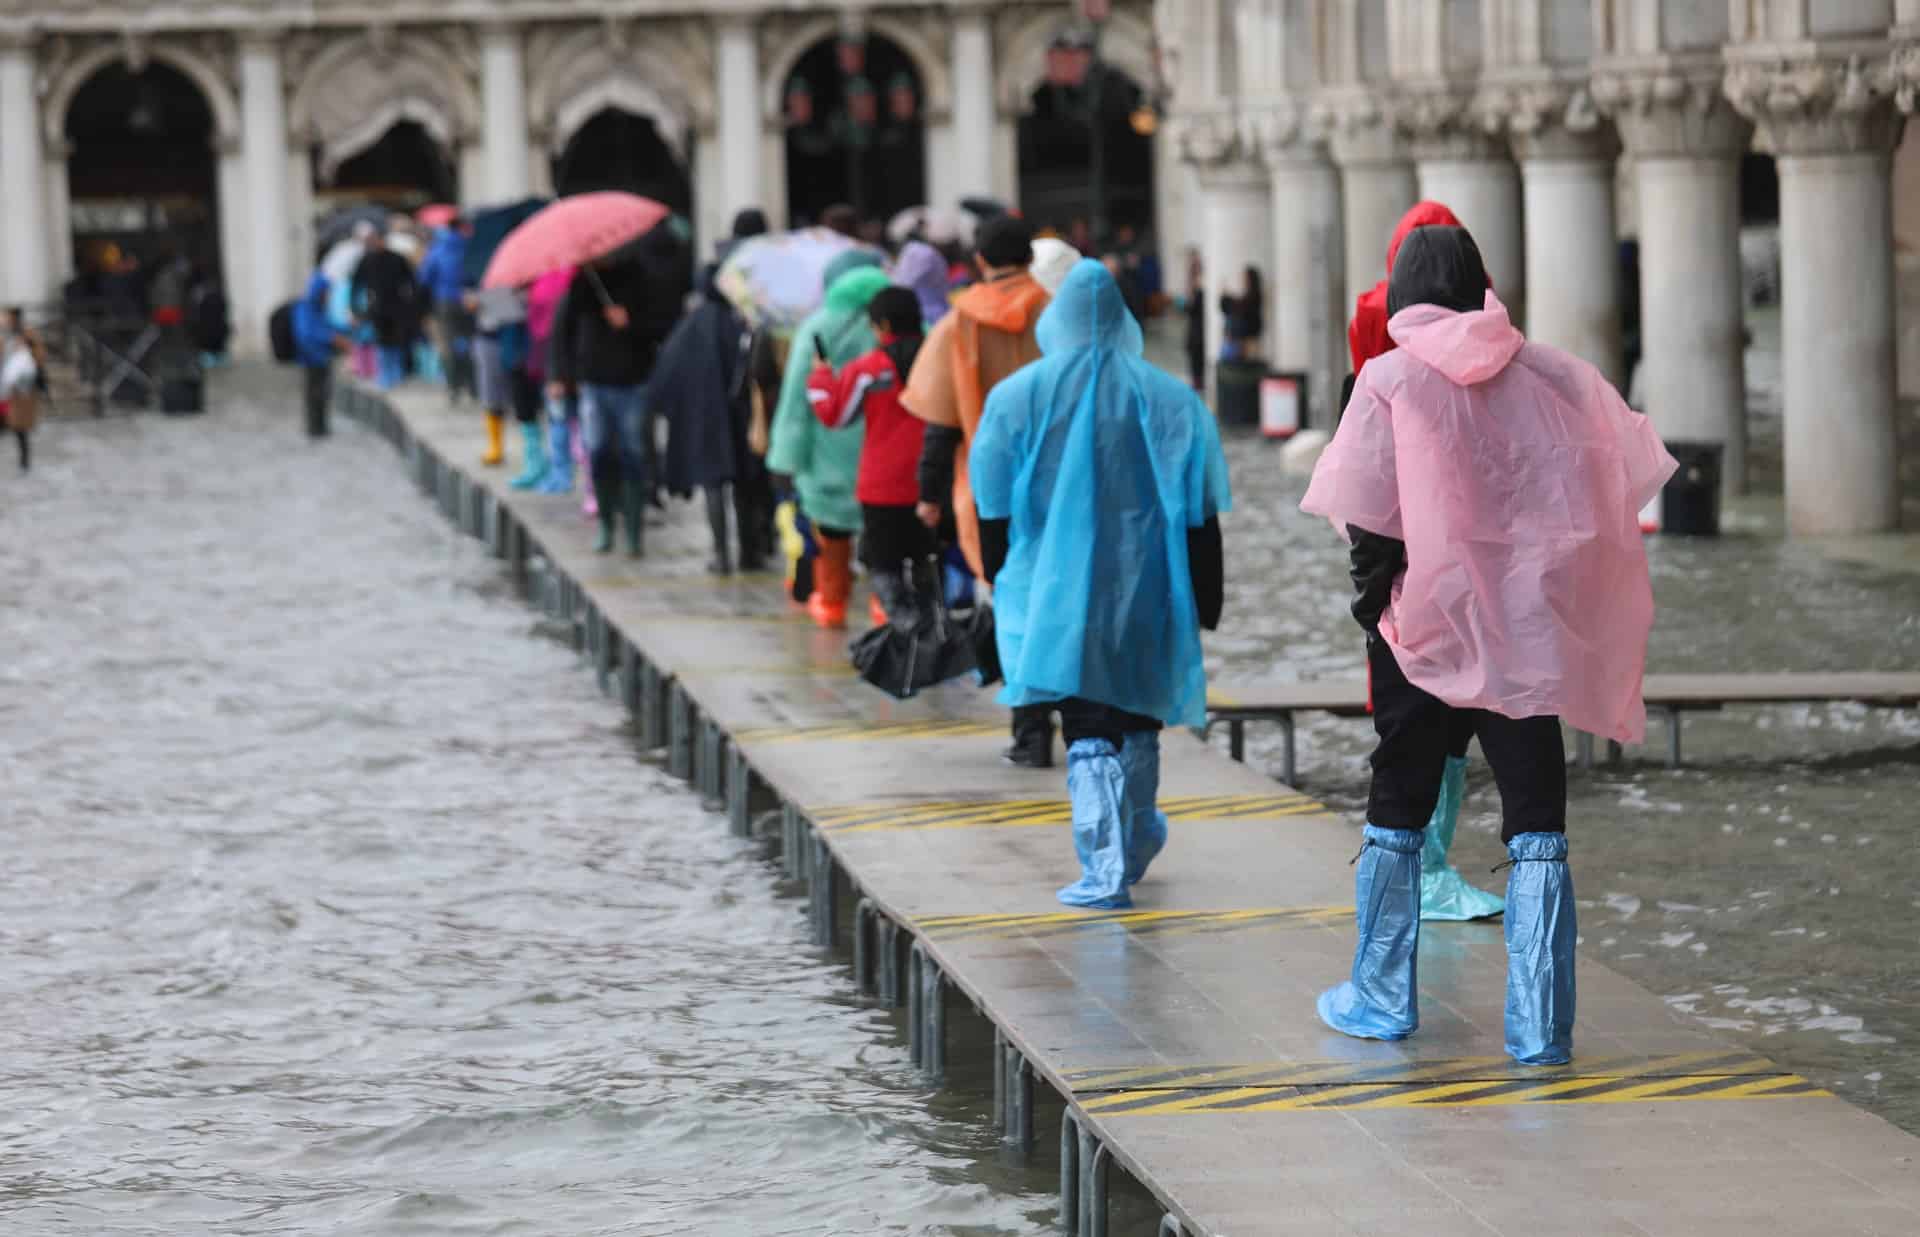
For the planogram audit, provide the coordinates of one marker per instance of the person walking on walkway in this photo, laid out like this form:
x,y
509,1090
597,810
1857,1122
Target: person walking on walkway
x,y
699,388
1243,323
544,303
824,463
988,335
442,276
502,346
23,380
315,341
388,298
1490,488
1100,483
1444,893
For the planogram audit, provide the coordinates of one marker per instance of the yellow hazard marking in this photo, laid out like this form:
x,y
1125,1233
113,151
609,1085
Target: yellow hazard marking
x,y
1478,1093
976,813
1055,923
938,728
1401,1073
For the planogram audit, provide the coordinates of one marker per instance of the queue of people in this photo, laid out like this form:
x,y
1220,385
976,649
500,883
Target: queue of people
x,y
1006,445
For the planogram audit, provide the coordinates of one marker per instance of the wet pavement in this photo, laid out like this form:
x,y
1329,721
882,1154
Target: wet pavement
x,y
338,901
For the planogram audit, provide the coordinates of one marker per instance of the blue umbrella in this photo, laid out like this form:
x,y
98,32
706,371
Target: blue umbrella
x,y
490,227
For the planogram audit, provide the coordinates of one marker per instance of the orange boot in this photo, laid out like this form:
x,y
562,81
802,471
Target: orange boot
x,y
876,613
832,582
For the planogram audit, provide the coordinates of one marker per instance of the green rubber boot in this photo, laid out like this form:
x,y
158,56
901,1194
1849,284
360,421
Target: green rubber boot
x,y
534,452
608,512
634,503
1444,893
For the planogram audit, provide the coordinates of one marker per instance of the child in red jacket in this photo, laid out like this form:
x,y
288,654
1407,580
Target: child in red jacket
x,y
893,541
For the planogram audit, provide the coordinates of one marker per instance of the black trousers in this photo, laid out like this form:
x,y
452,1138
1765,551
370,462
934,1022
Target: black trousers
x,y
319,396
1085,719
1418,732
891,536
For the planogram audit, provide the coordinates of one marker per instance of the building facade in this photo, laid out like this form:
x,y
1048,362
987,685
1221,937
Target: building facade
x,y
231,126
1310,125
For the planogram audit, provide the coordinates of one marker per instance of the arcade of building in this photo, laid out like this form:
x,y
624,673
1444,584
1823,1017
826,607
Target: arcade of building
x,y
1296,133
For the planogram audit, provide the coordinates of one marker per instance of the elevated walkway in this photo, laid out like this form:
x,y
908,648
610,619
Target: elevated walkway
x,y
1180,1035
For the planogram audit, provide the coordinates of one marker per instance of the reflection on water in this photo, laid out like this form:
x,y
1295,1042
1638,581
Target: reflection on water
x,y
336,900
1768,887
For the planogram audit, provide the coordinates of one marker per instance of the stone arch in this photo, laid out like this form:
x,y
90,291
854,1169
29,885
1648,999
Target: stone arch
x,y
1126,44
357,89
936,81
584,75
203,72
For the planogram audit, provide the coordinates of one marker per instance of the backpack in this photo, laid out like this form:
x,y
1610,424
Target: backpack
x,y
280,334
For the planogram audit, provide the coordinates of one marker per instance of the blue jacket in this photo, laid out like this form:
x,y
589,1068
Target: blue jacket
x,y
440,271
313,333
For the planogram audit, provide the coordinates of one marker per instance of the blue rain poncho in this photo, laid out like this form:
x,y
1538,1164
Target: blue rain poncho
x,y
1103,463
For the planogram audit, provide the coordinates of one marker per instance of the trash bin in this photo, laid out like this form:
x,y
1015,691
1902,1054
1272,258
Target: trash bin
x,y
1237,391
1690,503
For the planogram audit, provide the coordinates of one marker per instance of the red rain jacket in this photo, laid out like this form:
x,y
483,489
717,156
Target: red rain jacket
x,y
870,388
1367,335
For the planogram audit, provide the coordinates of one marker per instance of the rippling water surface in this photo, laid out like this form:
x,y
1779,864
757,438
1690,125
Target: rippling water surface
x,y
336,900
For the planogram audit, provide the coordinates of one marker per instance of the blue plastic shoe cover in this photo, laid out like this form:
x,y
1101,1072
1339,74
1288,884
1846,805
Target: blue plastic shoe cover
x,y
534,451
559,479
1097,789
1382,1000
1146,823
1444,893
1540,935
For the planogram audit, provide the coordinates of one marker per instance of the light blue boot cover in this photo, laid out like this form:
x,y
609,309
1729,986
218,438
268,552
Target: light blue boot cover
x,y
1382,1000
1540,936
1444,893
1097,789
534,452
1146,823
559,478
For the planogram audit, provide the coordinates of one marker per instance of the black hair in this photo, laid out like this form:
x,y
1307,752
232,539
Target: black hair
x,y
1438,266
841,218
1255,289
1005,240
749,222
899,308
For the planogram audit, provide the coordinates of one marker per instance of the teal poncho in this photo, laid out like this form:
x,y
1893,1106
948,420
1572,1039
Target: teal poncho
x,y
1103,463
822,462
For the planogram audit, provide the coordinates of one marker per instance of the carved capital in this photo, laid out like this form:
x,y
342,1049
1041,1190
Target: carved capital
x,y
1440,122
1286,130
1359,126
1817,104
1546,118
1209,138
1670,107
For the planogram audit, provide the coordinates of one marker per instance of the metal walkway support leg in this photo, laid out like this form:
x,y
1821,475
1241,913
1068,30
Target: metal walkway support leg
x,y
933,1020
1289,753
865,934
679,733
739,792
820,882
1170,1226
1583,746
1016,1130
1070,1144
1237,740
1673,738
653,708
916,1029
1093,1185
792,840
887,951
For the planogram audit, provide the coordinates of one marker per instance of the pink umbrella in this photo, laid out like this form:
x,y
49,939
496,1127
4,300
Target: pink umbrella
x,y
574,231
439,215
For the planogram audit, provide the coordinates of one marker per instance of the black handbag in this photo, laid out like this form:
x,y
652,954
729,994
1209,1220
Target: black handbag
x,y
903,663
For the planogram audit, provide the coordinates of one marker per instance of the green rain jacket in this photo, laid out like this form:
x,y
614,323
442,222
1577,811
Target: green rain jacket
x,y
822,462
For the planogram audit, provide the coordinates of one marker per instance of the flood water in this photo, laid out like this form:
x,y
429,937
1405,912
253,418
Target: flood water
x,y
339,901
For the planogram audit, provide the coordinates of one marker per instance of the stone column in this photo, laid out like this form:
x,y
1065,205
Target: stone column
x,y
737,87
1833,130
1468,171
972,151
1377,185
504,105
1686,143
1567,157
1307,312
1234,201
263,149
22,161
236,250
59,212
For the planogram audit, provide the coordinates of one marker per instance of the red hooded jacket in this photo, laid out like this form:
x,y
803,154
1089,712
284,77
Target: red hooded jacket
x,y
1367,334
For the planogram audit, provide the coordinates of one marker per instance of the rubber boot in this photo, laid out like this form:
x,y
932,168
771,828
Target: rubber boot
x,y
496,440
1540,935
832,582
1444,893
895,599
1382,999
876,613
1032,737
721,564
635,496
1097,791
1146,823
534,456
559,478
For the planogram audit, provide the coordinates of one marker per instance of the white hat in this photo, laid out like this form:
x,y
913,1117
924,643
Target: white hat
x,y
1052,259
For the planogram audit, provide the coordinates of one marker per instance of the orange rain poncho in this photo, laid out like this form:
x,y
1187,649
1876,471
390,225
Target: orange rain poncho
x,y
987,337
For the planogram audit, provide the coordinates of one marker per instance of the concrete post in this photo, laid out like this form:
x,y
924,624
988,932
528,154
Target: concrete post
x,y
236,256
1570,231
1377,185
263,148
737,84
59,213
1485,193
1308,312
504,105
22,163
972,151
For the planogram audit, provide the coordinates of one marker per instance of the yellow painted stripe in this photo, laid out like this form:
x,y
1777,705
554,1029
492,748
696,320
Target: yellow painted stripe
x,y
931,729
1139,921
965,814
1462,1094
1459,1069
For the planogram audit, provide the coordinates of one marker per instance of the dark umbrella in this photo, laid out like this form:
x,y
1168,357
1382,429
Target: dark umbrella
x,y
339,224
985,208
490,227
901,661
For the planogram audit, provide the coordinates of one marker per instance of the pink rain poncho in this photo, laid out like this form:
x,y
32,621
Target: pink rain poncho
x,y
1515,475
